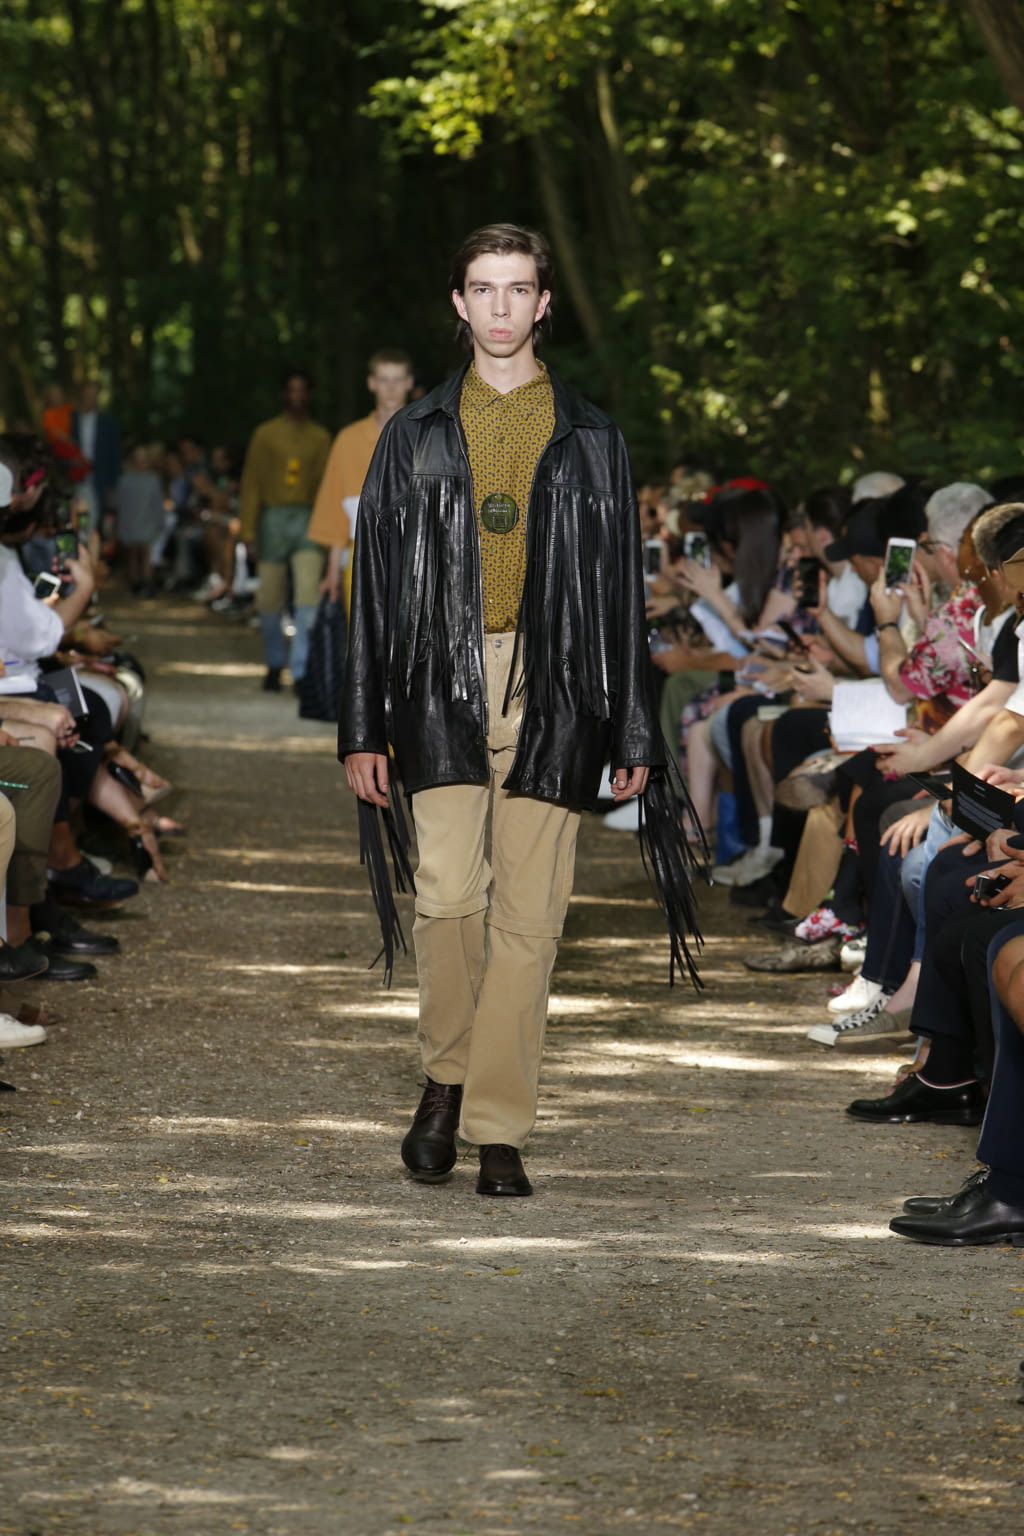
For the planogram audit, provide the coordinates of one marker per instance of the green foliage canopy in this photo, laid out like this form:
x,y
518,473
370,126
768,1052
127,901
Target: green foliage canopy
x,y
786,230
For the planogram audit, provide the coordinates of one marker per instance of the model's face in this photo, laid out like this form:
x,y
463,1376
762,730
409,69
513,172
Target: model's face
x,y
296,396
390,385
501,302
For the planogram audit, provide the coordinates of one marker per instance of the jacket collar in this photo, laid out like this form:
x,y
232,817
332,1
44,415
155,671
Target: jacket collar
x,y
571,410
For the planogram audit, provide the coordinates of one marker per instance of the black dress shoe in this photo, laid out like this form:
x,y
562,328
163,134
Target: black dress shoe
x,y
776,920
930,1205
754,895
65,936
971,1218
502,1171
20,961
428,1150
272,680
913,1102
83,886
63,967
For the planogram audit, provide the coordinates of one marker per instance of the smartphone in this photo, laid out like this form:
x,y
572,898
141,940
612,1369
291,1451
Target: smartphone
x,y
654,551
83,524
696,547
46,584
790,633
899,558
805,587
67,544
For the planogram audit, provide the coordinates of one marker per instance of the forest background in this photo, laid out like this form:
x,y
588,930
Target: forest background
x,y
788,232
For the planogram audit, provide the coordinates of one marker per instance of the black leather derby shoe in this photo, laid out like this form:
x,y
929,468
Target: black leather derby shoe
x,y
64,967
913,1101
428,1150
971,1218
20,961
64,936
502,1172
928,1205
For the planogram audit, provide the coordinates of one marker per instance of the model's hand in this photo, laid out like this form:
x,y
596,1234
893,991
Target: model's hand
x,y
367,775
627,782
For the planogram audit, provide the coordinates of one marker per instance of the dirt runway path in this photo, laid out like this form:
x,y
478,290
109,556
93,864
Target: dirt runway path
x,y
228,1311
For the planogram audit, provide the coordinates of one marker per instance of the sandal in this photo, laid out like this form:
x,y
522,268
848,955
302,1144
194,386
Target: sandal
x,y
150,786
146,854
166,826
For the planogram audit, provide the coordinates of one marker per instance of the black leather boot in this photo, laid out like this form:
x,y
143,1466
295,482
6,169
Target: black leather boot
x,y
502,1172
428,1150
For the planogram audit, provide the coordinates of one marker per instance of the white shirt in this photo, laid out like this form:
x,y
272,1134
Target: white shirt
x,y
29,628
87,432
846,595
716,630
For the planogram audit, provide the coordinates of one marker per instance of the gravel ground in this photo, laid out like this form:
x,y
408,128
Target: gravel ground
x,y
227,1309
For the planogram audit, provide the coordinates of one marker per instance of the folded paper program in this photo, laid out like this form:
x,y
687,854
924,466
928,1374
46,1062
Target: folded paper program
x,y
864,714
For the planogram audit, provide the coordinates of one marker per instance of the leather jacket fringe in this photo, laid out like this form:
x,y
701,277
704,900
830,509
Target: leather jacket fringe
x,y
415,672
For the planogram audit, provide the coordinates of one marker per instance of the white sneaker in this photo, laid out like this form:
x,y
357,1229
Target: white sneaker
x,y
12,1033
861,993
624,818
851,956
868,1024
750,866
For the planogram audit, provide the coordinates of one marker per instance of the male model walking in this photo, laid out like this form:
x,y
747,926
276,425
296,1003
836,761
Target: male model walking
x,y
283,465
498,645
390,381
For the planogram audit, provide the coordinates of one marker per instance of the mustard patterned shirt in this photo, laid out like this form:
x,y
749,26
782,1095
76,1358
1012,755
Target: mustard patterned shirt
x,y
505,436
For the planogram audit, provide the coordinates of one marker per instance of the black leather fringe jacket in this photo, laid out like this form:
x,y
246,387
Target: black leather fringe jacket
x,y
415,672
414,676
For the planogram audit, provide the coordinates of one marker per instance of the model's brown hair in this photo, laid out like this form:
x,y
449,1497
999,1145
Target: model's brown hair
x,y
393,355
504,240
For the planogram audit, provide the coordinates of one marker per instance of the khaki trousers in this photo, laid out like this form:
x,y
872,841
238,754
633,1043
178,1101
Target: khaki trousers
x,y
34,807
492,887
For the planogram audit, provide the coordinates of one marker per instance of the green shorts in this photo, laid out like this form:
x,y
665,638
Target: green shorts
x,y
282,533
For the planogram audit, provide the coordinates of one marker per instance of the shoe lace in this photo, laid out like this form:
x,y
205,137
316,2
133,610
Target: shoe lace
x,y
438,1096
864,1015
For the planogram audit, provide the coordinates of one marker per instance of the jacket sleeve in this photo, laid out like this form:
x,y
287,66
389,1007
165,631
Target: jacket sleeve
x,y
636,736
362,720
250,491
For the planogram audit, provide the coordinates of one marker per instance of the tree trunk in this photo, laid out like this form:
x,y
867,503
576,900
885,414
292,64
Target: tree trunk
x,y
1001,24
564,243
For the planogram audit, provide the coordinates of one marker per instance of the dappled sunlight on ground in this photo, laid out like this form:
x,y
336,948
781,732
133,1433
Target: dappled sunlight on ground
x,y
231,1311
